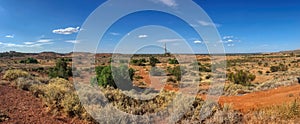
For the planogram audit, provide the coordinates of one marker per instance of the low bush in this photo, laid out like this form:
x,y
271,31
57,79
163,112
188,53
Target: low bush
x,y
55,92
153,61
60,98
177,72
280,67
241,77
140,62
138,77
285,113
11,75
208,76
234,89
72,106
106,78
61,70
29,61
173,61
25,83
205,68
170,79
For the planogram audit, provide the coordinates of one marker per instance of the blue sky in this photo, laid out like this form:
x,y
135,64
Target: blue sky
x,y
244,25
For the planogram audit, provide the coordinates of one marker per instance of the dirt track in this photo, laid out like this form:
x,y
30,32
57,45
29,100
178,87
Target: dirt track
x,y
23,108
255,100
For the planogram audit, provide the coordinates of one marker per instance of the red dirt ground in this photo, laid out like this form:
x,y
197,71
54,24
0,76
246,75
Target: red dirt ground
x,y
23,107
260,99
154,82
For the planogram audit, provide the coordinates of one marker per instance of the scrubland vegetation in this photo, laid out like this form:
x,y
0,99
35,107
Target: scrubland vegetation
x,y
246,74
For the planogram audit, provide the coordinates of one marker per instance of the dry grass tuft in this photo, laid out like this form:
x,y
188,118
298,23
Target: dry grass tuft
x,y
11,75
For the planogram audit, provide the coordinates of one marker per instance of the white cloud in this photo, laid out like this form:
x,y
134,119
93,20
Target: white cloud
x,y
66,31
197,41
143,36
170,3
205,23
230,39
44,40
170,40
114,33
13,45
230,45
73,41
9,36
26,44
29,43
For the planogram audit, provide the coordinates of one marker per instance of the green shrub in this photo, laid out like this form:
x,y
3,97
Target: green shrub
x,y
274,68
105,78
140,62
138,77
241,77
205,68
266,65
176,71
173,61
61,70
259,63
280,67
11,75
153,61
170,79
29,61
208,76
122,74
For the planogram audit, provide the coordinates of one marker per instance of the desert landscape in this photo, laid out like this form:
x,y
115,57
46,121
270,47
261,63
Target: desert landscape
x,y
259,88
149,62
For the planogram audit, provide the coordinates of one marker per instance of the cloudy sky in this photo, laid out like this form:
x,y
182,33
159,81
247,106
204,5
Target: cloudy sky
x,y
244,25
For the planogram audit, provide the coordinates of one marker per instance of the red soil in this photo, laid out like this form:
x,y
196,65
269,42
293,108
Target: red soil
x,y
22,107
155,82
260,99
